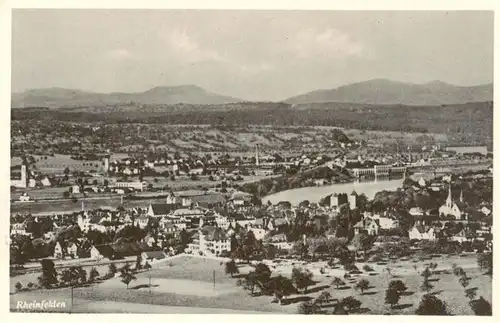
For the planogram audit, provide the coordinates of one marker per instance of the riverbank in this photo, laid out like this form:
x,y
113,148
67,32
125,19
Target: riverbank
x,y
316,193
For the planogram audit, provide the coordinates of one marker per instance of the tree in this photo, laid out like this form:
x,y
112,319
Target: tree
x,y
339,310
350,303
324,298
367,268
481,307
280,286
308,307
362,285
93,274
397,285
426,286
74,276
262,274
458,271
464,281
49,275
112,269
66,171
19,286
426,273
470,293
337,281
302,278
248,283
392,296
127,277
147,266
431,305
125,268
299,248
270,251
304,204
485,262
138,261
231,268
362,241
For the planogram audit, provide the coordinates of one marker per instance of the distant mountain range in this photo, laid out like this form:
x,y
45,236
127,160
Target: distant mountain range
x,y
59,97
382,91
376,92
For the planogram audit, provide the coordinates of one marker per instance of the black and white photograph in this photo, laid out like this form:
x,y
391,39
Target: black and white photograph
x,y
244,161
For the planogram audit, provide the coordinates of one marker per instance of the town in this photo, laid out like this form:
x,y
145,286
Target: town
x,y
436,216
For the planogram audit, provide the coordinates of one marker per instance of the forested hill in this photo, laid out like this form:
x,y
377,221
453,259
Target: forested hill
x,y
472,119
382,91
59,97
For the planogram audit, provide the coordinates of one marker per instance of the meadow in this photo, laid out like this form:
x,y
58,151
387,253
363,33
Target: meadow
x,y
188,282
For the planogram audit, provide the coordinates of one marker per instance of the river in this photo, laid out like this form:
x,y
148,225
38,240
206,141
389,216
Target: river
x,y
316,193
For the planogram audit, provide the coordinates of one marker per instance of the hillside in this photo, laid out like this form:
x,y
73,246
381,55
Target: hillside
x,y
381,91
472,122
58,97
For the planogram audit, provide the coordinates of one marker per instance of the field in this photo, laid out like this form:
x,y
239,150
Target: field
x,y
446,285
181,282
375,137
186,284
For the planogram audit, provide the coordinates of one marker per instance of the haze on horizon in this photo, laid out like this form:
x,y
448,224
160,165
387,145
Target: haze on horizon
x,y
253,55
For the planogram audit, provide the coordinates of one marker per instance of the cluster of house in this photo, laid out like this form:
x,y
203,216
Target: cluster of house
x,y
451,210
422,156
23,177
206,216
131,166
120,250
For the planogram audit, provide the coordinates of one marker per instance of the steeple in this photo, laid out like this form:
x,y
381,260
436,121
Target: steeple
x,y
461,196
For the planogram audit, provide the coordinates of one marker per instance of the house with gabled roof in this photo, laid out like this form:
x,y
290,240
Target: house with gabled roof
x,y
240,198
118,250
368,225
422,232
152,257
160,209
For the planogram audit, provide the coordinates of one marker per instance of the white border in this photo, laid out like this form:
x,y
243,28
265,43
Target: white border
x,y
5,35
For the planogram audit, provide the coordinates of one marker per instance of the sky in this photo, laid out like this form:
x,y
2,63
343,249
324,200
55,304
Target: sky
x,y
253,55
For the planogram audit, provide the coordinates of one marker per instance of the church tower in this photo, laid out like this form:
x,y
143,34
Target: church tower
x,y
257,155
449,200
353,200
